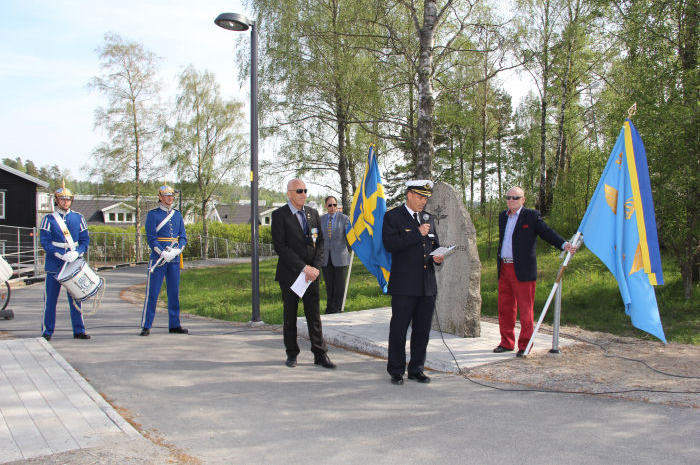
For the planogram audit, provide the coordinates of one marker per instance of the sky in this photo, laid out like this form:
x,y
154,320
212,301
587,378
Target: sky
x,y
48,56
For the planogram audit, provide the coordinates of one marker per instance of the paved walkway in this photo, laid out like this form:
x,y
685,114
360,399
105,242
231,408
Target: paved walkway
x,y
223,395
46,407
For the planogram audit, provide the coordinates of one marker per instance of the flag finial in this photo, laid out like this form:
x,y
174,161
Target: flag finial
x,y
631,111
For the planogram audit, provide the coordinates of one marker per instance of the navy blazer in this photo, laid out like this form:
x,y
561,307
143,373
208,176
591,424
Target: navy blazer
x,y
412,266
294,248
529,225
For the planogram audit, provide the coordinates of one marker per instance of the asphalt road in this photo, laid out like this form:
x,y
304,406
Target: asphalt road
x,y
223,395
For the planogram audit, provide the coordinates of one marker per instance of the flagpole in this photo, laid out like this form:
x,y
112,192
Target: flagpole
x,y
347,282
557,283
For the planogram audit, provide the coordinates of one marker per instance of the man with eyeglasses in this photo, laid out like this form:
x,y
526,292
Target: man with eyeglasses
x,y
298,241
336,257
518,228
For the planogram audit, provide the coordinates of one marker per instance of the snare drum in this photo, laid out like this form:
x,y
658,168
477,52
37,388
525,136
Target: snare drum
x,y
80,281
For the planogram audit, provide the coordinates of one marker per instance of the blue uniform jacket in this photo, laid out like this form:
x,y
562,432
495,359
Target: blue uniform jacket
x,y
54,242
174,228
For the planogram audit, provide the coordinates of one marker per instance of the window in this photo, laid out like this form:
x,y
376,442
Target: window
x,y
129,218
267,220
2,205
112,217
120,217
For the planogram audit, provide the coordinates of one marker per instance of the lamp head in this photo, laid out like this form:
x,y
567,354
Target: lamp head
x,y
233,21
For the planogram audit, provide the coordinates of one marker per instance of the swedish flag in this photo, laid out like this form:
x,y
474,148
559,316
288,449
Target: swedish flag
x,y
620,228
364,233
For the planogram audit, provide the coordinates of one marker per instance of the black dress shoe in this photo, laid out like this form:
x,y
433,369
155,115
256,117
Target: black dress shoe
x,y
521,353
81,336
178,330
145,332
291,362
46,336
324,361
420,377
501,349
397,379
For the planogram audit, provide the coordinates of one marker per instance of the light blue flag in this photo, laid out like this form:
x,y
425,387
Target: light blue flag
x,y
620,228
366,218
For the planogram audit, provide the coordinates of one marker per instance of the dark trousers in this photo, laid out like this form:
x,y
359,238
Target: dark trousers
x,y
313,319
334,276
418,312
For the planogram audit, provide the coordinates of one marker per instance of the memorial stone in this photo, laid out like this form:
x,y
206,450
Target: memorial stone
x,y
458,305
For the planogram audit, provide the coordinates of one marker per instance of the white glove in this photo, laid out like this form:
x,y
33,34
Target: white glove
x,y
167,255
70,256
175,251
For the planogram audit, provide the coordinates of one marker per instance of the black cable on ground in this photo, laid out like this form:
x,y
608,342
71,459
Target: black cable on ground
x,y
606,354
464,374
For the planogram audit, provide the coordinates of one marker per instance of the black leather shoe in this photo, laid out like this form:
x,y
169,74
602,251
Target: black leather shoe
x,y
81,336
178,330
324,361
145,332
291,362
521,353
46,336
420,377
501,349
397,379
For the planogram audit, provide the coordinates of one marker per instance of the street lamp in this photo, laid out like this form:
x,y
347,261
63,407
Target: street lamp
x,y
238,22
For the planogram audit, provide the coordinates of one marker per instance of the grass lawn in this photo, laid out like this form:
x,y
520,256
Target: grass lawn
x,y
590,296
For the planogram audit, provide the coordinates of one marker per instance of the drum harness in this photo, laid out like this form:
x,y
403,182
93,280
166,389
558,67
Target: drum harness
x,y
71,245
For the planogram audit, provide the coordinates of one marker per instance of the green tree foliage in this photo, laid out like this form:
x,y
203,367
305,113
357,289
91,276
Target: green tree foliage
x,y
205,144
658,69
132,119
316,78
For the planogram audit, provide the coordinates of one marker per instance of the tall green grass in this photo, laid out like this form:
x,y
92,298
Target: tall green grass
x,y
225,292
590,296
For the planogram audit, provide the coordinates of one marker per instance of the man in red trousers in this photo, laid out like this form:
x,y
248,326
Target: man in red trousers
x,y
518,229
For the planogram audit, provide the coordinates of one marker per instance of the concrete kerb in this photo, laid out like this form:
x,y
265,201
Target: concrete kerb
x,y
117,419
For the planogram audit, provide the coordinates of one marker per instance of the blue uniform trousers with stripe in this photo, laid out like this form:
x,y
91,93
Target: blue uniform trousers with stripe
x,y
52,290
171,273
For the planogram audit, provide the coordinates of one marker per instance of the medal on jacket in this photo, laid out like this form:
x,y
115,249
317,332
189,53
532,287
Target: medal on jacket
x,y
314,235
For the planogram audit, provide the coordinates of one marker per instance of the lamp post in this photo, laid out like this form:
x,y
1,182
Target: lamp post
x,y
239,22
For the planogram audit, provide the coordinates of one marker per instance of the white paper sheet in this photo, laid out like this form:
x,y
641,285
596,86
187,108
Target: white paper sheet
x,y
301,284
442,250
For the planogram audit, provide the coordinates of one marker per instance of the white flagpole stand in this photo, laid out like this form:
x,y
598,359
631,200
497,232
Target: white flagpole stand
x,y
347,282
556,290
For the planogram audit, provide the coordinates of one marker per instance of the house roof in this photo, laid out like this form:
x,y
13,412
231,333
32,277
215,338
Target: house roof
x,y
234,214
20,174
92,208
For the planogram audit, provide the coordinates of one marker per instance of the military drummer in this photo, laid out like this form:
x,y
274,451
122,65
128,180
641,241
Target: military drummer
x,y
64,236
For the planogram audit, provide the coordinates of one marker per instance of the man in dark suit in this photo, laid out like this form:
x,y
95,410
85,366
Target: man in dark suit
x,y
298,241
518,229
336,257
409,235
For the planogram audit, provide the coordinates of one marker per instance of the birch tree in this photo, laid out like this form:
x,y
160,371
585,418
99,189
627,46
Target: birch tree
x,y
132,119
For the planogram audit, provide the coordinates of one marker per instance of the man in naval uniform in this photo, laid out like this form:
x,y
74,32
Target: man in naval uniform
x,y
165,232
409,235
64,236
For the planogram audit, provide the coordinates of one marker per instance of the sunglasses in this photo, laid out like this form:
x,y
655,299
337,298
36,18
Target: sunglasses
x,y
299,191
332,205
513,197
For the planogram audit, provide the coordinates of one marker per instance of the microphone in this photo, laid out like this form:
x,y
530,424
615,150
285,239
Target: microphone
x,y
426,217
